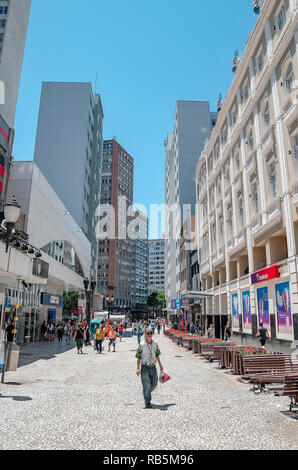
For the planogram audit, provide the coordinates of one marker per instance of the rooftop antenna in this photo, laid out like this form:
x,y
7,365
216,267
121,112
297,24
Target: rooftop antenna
x,y
219,103
257,5
235,61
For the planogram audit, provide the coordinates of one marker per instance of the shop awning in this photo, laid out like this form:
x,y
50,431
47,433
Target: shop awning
x,y
196,295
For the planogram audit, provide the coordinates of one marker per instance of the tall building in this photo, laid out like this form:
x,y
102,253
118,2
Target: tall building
x,y
115,254
14,17
156,266
68,151
193,124
140,263
247,181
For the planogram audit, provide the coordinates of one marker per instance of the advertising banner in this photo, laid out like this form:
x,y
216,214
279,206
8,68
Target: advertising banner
x,y
263,307
265,275
246,310
283,303
235,311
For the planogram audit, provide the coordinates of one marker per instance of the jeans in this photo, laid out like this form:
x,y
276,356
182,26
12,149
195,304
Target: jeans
x,y
139,339
149,381
99,345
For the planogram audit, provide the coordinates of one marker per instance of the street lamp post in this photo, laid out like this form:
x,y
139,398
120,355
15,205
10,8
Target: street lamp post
x,y
110,301
89,296
11,236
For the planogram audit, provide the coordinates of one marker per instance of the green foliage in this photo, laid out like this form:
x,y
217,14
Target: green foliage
x,y
156,301
70,302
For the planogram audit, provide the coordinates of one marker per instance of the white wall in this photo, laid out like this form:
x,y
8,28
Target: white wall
x,y
46,219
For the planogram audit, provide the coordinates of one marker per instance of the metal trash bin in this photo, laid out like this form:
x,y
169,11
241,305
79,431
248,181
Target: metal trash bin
x,y
12,358
3,346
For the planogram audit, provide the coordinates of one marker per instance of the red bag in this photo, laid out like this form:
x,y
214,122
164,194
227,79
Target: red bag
x,y
164,377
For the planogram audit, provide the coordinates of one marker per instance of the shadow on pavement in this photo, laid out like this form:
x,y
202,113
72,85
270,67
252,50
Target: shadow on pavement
x,y
33,352
162,407
16,398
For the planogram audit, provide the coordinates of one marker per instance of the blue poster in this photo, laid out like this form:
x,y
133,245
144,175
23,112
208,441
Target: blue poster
x,y
263,307
235,311
283,304
246,310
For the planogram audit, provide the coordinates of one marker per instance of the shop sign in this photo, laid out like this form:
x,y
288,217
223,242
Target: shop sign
x,y
235,311
51,299
263,307
283,303
7,303
176,304
265,275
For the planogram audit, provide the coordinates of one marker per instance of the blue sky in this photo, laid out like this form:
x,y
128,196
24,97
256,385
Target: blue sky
x,y
147,55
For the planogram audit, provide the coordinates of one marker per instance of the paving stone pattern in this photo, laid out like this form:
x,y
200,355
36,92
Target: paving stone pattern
x,y
60,400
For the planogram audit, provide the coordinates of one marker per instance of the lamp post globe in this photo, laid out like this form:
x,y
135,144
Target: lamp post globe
x,y
12,211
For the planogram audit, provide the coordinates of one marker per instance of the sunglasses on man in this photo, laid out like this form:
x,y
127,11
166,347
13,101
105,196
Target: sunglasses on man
x,y
149,334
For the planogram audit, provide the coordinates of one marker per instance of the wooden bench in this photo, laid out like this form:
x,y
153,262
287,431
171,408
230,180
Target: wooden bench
x,y
269,369
188,343
258,364
290,390
208,349
218,352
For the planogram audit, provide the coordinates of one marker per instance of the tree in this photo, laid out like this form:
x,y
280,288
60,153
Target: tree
x,y
156,301
161,298
70,301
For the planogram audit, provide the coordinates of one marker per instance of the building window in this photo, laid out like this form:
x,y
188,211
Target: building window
x,y
266,115
289,79
272,179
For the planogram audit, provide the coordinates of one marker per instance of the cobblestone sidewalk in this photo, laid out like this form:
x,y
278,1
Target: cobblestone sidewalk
x,y
60,400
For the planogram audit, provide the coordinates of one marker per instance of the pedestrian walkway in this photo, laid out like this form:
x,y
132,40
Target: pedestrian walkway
x,y
61,400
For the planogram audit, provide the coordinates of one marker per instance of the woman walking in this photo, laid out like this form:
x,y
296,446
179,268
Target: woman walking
x,y
79,337
139,333
120,331
99,337
51,331
60,332
68,332
43,331
228,332
112,339
263,335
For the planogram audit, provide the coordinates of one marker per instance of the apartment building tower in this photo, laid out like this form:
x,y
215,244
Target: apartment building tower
x,y
247,183
140,263
68,151
156,266
193,124
115,253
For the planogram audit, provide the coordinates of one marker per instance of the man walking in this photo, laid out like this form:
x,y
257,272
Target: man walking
x,y
147,355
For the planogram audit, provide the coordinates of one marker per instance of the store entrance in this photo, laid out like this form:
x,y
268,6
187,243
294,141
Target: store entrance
x,y
224,321
217,326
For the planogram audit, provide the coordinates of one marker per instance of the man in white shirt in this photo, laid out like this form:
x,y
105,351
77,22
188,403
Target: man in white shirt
x,y
147,354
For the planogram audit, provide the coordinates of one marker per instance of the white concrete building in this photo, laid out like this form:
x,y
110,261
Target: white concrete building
x,y
68,151
52,229
14,18
139,290
247,182
156,266
193,124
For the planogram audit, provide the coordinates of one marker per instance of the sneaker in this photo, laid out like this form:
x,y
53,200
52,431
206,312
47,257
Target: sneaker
x,y
148,405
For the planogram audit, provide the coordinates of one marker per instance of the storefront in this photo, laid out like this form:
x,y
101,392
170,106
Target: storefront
x,y
52,307
265,297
